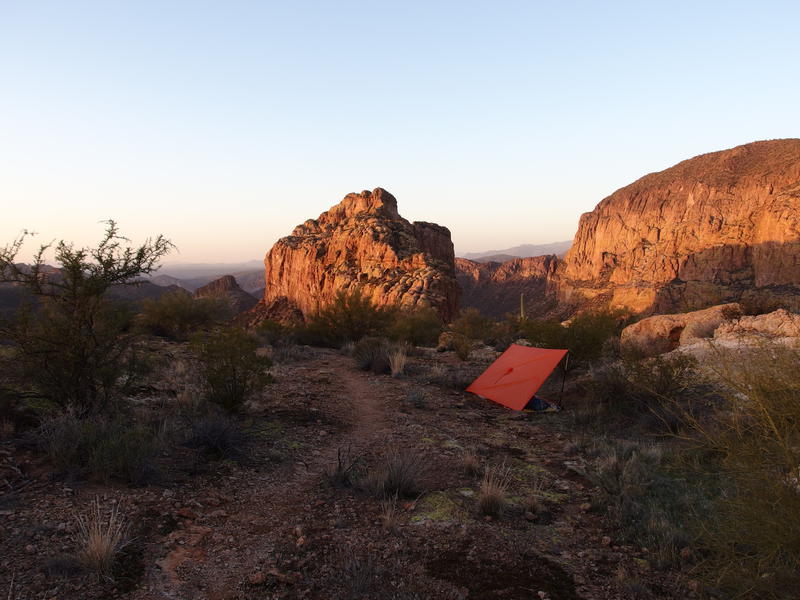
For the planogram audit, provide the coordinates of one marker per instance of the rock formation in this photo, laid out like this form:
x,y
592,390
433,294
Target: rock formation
x,y
711,229
226,287
701,333
495,288
663,333
363,244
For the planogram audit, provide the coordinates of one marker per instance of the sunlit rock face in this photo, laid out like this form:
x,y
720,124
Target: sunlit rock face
x,y
711,229
363,244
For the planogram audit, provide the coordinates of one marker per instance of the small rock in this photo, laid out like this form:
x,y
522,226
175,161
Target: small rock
x,y
187,513
605,541
530,516
257,578
30,549
301,541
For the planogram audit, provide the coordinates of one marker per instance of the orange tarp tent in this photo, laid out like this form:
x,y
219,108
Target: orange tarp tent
x,y
516,375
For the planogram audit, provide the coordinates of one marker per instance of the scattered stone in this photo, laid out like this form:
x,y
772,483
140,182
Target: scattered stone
x,y
605,541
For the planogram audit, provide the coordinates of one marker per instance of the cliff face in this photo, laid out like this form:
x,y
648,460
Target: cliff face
x,y
495,288
710,229
227,287
363,243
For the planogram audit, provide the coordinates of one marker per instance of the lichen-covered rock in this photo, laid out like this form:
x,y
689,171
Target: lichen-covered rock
x,y
496,288
226,287
777,324
707,230
363,244
660,334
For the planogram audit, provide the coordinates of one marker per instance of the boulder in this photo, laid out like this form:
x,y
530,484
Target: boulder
x,y
660,334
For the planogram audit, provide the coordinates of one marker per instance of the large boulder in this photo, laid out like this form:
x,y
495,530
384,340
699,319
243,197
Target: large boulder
x,y
660,334
362,244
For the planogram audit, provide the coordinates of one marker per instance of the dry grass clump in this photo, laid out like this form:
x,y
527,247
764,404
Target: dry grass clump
x,y
492,495
471,463
397,361
400,475
389,516
101,538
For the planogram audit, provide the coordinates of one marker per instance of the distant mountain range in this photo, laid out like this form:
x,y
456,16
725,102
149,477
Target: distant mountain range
x,y
523,251
249,275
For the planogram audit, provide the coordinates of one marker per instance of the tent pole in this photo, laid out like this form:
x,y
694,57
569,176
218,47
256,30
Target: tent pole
x,y
563,378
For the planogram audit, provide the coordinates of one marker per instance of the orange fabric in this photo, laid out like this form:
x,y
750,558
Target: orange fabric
x,y
516,375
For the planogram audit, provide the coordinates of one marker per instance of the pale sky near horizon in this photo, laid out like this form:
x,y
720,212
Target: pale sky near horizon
x,y
223,125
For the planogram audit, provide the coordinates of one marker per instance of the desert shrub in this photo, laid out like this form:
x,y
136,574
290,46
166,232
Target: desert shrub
x,y
417,398
419,327
101,538
74,346
348,469
653,503
101,448
349,317
232,369
176,314
462,346
492,498
755,438
586,335
455,377
475,326
217,437
274,333
399,475
652,393
372,354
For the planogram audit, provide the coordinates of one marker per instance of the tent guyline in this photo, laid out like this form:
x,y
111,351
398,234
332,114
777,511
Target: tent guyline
x,y
514,378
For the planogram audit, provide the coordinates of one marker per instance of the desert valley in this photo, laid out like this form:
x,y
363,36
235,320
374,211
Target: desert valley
x,y
304,430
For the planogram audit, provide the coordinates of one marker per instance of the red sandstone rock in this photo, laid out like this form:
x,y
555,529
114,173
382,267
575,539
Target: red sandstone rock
x,y
705,231
363,244
227,287
495,288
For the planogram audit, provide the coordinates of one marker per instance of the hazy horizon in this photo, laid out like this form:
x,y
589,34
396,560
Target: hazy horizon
x,y
224,127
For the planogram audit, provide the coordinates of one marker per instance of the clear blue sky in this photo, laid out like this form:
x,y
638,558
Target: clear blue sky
x,y
224,124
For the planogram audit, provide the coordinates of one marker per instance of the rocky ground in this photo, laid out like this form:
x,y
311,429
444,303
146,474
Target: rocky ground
x,y
277,526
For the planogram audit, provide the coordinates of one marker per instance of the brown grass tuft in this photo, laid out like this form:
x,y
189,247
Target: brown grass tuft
x,y
471,463
492,493
101,538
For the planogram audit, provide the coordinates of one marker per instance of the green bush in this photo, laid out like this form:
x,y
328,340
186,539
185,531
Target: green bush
x,y
231,367
218,437
101,448
419,327
475,326
753,441
649,393
349,317
73,346
586,335
176,314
